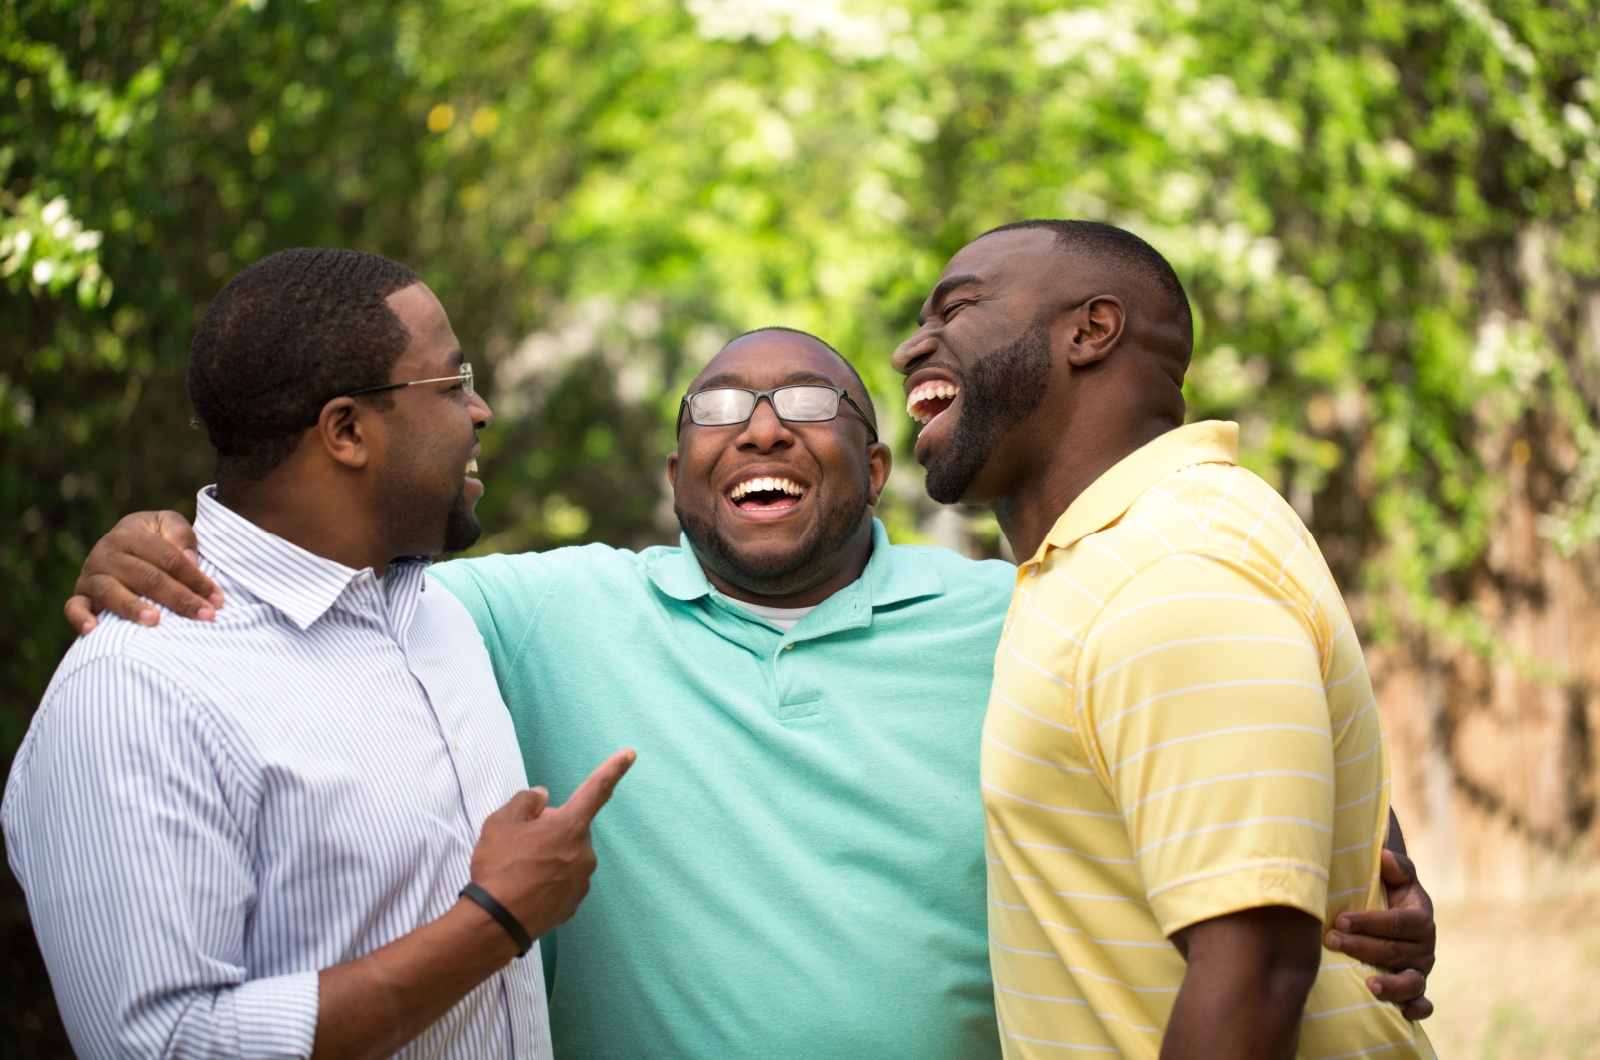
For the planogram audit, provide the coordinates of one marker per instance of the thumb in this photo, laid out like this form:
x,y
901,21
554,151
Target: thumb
x,y
526,805
596,791
1397,869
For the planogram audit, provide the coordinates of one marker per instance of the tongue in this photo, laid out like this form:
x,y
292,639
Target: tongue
x,y
767,501
933,407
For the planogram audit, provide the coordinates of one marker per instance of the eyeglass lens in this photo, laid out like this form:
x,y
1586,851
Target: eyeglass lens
x,y
802,404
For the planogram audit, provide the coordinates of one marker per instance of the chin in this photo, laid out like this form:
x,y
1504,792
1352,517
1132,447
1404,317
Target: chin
x,y
461,531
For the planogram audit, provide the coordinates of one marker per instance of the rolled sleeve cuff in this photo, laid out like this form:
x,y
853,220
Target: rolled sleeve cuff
x,y
1185,902
276,1017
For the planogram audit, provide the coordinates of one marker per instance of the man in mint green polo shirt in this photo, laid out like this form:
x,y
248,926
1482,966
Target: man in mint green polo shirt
x,y
795,869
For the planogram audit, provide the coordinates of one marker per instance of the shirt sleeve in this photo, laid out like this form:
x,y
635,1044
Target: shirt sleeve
x,y
140,877
1204,711
504,595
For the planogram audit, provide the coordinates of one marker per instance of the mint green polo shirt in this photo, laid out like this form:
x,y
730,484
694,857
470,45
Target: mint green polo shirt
x,y
793,870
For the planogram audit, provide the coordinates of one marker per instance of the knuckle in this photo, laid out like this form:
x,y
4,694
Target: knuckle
x,y
147,580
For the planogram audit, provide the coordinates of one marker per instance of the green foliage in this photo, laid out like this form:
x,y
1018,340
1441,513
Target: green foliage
x,y
1385,215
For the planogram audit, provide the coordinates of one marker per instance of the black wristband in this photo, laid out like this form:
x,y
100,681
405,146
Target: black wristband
x,y
514,928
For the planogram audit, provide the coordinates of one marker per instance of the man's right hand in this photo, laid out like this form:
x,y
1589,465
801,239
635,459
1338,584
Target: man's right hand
x,y
147,554
535,859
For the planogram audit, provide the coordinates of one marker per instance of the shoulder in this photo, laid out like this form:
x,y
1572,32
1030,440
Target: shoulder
x,y
120,681
960,572
516,571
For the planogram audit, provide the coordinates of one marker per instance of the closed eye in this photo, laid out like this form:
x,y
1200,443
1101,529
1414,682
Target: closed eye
x,y
953,308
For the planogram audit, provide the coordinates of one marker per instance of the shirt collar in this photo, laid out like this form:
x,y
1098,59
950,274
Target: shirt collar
x,y
301,584
892,575
1113,493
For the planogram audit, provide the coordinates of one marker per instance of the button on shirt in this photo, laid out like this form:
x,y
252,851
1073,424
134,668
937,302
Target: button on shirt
x,y
203,815
1182,727
793,870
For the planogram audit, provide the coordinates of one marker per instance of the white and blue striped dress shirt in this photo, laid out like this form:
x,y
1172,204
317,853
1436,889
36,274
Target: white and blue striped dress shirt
x,y
203,815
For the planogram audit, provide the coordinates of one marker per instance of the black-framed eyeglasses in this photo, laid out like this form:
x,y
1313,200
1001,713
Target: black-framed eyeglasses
x,y
724,406
464,377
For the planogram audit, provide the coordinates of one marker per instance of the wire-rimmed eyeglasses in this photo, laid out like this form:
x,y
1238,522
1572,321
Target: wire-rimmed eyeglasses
x,y
464,377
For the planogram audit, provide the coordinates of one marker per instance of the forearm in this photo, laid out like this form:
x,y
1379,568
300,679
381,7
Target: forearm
x,y
372,1006
1246,986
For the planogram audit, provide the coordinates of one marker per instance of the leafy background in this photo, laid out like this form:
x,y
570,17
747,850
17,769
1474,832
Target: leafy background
x,y
1385,215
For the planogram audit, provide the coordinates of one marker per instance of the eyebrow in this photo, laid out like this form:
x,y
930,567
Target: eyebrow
x,y
941,292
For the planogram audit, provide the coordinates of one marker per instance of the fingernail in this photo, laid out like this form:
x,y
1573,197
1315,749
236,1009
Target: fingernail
x,y
147,617
1333,940
216,599
194,557
1343,923
88,624
205,614
1376,987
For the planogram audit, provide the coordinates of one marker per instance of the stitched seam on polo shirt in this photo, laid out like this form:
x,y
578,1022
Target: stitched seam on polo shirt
x,y
515,658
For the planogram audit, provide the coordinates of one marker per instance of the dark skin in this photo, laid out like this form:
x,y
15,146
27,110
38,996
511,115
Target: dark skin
x,y
1249,972
329,498
824,458
147,555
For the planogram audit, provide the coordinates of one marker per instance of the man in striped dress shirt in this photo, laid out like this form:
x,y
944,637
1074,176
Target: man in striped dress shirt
x,y
247,838
1184,777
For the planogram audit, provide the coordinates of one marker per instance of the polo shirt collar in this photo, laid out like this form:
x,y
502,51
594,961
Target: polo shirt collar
x,y
892,575
1113,493
301,584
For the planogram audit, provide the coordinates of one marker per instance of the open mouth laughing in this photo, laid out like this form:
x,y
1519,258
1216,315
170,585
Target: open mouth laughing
x,y
765,495
931,399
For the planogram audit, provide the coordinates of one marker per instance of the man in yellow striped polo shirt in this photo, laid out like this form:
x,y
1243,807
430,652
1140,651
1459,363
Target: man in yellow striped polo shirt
x,y
1184,776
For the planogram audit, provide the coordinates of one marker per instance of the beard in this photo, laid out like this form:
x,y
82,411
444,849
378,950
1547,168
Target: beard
x,y
461,526
781,574
996,394
426,529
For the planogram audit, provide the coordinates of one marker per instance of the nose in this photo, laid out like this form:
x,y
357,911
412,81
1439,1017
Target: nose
x,y
482,415
914,349
764,430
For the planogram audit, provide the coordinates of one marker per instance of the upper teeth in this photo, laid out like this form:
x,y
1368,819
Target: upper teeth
x,y
755,485
929,391
472,465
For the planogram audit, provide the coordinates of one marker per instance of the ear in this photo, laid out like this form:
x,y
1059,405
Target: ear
x,y
1094,329
344,430
879,460
672,469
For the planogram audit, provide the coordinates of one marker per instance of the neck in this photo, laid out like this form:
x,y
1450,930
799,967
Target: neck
x,y
327,522
843,569
1062,472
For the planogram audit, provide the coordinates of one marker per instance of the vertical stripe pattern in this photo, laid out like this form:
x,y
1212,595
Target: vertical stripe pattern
x,y
203,815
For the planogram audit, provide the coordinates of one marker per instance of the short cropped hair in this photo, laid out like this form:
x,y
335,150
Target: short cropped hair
x,y
283,338
1121,249
860,383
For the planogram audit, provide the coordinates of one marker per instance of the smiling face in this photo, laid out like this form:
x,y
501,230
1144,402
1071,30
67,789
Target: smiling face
x,y
430,437
776,508
981,363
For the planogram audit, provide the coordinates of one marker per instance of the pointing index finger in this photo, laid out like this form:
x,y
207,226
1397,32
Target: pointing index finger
x,y
595,792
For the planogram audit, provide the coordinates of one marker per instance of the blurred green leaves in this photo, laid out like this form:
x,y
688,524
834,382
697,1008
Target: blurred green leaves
x,y
1385,215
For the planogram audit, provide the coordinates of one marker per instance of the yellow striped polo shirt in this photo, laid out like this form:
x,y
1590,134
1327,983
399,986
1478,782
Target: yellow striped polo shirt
x,y
1181,727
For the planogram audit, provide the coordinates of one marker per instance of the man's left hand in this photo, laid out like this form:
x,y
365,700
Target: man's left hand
x,y
1400,938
